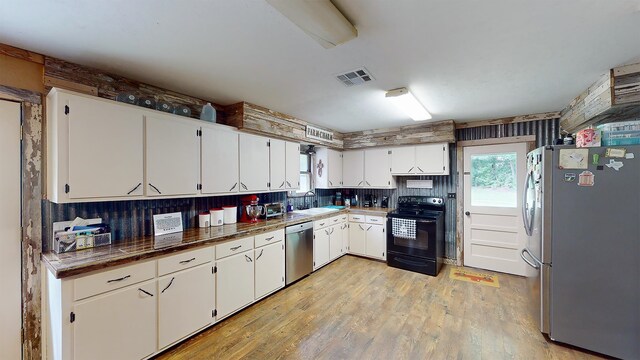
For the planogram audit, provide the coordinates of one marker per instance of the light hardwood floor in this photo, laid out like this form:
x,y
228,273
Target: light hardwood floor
x,y
356,308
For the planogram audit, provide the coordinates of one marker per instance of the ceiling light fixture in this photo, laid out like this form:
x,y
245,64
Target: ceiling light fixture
x,y
408,103
320,19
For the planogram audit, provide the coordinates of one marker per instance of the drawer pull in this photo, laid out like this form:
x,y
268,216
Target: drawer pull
x,y
168,286
335,220
261,251
233,187
369,228
269,238
248,258
236,248
119,279
361,228
134,189
187,261
321,224
158,191
146,292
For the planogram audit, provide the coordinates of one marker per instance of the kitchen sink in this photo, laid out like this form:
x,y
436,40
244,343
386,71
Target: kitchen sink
x,y
315,211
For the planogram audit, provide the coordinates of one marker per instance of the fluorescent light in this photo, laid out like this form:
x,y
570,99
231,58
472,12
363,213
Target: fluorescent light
x,y
408,103
320,19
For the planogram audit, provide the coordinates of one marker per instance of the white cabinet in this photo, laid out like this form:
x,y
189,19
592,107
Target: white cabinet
x,y
377,168
234,283
186,300
427,159
321,246
357,238
220,161
345,237
117,325
254,163
269,269
277,167
95,149
172,156
336,241
353,168
367,236
376,241
331,175
292,178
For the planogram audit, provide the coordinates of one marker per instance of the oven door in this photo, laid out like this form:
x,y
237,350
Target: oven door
x,y
404,242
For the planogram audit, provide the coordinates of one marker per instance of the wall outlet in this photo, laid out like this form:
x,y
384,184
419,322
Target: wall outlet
x,y
451,195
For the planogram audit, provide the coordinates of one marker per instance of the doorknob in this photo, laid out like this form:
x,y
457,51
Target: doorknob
x,y
467,213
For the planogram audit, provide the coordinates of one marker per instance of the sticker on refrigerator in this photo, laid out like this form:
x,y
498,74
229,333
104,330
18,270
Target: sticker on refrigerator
x,y
629,156
615,152
614,164
574,159
586,178
570,177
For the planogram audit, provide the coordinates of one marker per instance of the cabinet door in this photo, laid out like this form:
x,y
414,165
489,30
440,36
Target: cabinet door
x,y
105,149
335,242
376,241
220,160
125,317
277,164
321,252
186,300
292,166
357,238
430,159
234,283
172,155
334,171
353,168
254,163
377,168
269,269
345,238
403,160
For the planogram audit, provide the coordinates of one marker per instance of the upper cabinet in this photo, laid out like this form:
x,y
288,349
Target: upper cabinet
x,y
353,168
172,154
428,159
220,160
254,163
329,174
277,164
95,149
292,178
368,168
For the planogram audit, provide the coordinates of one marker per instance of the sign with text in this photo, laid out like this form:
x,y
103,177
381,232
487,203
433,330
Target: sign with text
x,y
320,134
167,223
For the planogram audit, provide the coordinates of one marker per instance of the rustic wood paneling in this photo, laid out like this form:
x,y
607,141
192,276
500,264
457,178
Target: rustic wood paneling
x,y
496,141
260,120
10,93
435,132
508,120
21,54
51,82
20,73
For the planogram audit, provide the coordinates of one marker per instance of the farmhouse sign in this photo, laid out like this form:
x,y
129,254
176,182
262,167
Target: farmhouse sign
x,y
320,134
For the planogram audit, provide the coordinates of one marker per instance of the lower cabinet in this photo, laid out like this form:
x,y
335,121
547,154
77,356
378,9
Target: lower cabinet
x,y
345,237
376,241
186,300
336,248
120,324
234,283
357,234
368,237
269,269
321,247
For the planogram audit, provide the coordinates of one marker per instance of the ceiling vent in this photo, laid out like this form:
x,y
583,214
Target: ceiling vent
x,y
355,77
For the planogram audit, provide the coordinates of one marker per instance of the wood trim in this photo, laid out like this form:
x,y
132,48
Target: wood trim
x,y
70,85
496,141
459,205
15,94
21,54
508,120
435,132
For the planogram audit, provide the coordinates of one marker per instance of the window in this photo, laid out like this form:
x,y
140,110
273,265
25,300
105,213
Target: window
x,y
493,180
305,174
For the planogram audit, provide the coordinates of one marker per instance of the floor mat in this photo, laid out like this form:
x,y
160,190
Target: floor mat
x,y
462,274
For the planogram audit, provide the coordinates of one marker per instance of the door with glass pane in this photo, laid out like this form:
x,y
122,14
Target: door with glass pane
x,y
493,184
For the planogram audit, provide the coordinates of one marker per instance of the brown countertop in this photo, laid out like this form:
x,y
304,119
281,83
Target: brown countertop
x,y
145,247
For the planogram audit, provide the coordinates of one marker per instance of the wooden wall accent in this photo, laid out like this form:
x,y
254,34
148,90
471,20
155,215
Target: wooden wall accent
x,y
434,132
508,120
260,120
21,69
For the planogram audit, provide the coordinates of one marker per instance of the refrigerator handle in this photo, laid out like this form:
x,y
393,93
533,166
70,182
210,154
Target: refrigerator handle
x,y
532,264
525,198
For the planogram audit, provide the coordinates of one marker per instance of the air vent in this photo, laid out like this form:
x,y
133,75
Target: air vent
x,y
355,77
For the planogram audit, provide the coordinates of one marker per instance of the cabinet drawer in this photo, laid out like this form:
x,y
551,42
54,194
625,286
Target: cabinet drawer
x,y
184,260
319,224
356,218
269,238
113,279
374,219
234,247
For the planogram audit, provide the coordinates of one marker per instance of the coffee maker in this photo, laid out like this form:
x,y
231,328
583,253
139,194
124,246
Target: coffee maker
x,y
370,200
250,209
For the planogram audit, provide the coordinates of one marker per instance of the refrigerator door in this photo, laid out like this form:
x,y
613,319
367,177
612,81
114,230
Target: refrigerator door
x,y
595,289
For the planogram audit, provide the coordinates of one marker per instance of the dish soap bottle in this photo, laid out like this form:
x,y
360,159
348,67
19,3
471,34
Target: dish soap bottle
x,y
208,113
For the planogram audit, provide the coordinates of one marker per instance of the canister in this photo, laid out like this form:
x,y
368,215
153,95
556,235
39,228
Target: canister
x,y
217,217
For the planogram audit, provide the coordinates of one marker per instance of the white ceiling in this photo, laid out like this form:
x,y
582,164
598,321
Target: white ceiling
x,y
464,60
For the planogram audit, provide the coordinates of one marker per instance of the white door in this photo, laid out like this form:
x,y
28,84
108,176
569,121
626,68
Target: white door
x,y
292,166
254,163
120,324
493,185
321,253
334,171
269,269
172,157
357,238
403,160
10,296
335,241
186,300
105,149
376,241
277,164
353,168
377,168
431,159
234,283
220,159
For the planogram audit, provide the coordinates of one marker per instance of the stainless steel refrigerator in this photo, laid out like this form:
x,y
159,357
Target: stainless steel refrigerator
x,y
581,212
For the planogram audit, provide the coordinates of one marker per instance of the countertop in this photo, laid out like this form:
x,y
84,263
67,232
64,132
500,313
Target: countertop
x,y
146,247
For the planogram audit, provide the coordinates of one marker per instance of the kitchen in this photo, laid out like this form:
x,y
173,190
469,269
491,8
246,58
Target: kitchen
x,y
363,151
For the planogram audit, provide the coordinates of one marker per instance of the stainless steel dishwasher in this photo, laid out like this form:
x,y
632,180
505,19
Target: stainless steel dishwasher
x,y
298,251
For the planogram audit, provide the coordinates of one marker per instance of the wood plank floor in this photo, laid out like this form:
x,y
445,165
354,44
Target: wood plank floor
x,y
356,308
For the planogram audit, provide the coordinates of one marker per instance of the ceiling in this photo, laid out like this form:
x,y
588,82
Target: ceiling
x,y
464,60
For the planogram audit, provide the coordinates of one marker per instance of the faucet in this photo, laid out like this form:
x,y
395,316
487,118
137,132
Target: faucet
x,y
305,198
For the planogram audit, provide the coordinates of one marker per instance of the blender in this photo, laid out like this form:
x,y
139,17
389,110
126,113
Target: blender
x,y
250,209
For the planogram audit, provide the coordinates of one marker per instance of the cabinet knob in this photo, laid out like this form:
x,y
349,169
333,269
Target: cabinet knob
x,y
467,213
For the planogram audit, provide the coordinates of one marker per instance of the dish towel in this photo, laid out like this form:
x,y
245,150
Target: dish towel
x,y
404,228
